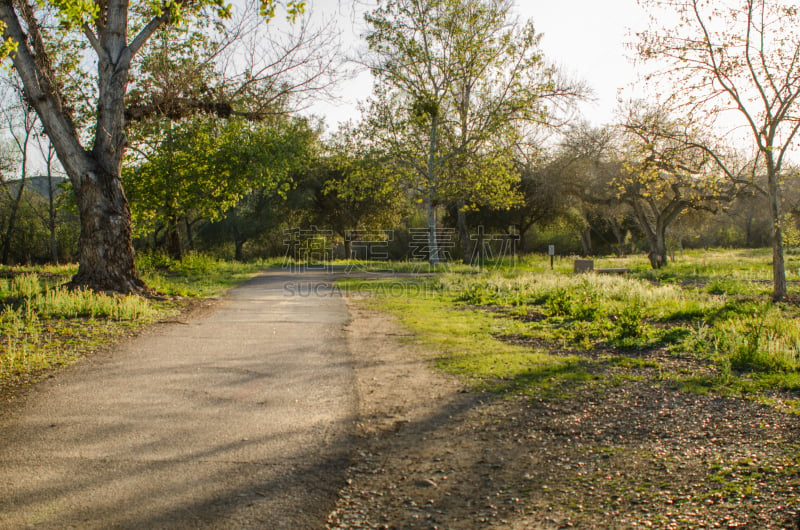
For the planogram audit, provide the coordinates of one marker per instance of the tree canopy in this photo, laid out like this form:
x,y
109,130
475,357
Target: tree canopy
x,y
453,79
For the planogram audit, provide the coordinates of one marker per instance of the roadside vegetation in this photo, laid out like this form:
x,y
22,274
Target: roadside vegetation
x,y
666,398
44,325
524,327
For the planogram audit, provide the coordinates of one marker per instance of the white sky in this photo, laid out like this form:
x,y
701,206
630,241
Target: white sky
x,y
585,38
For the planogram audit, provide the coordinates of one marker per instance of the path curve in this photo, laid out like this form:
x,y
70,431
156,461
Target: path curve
x,y
240,419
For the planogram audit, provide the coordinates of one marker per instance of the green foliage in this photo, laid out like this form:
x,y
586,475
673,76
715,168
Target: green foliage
x,y
206,166
791,231
37,301
7,46
24,286
75,13
196,275
580,305
63,303
349,189
454,82
630,324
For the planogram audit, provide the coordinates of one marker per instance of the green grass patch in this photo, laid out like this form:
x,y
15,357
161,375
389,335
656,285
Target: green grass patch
x,y
465,343
521,326
197,275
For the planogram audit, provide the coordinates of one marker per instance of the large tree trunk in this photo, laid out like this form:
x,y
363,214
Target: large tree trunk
x,y
106,261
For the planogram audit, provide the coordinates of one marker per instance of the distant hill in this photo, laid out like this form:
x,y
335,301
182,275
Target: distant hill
x,y
39,185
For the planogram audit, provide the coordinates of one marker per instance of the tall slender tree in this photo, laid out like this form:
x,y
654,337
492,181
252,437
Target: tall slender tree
x,y
453,77
22,123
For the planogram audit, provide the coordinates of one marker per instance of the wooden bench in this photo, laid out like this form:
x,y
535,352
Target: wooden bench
x,y
612,271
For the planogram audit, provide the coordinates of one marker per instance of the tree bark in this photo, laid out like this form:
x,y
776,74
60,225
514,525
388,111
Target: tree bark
x,y
348,247
658,248
174,246
433,247
521,246
463,231
238,253
189,236
586,241
779,289
106,258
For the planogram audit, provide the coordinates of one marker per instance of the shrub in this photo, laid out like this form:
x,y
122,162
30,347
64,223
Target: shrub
x,y
630,323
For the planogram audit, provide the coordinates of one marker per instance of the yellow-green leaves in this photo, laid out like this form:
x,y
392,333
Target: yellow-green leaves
x,y
294,8
8,46
74,13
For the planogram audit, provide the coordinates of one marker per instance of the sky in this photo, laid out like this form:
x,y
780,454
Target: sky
x,y
585,38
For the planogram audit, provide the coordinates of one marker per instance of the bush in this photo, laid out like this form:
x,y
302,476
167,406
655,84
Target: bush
x,y
630,323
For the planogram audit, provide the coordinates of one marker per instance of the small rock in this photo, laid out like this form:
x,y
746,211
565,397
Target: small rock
x,y
426,483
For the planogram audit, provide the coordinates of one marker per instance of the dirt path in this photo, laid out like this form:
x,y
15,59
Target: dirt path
x,y
239,419
637,454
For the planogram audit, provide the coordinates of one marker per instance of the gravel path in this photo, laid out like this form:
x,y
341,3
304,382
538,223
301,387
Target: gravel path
x,y
238,419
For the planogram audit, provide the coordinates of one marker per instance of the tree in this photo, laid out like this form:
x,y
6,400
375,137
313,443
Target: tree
x,y
257,213
663,175
452,79
742,55
22,123
106,259
587,162
206,166
500,86
348,190
543,200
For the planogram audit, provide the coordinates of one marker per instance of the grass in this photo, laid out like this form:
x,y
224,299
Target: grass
x,y
463,342
197,275
43,325
521,327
